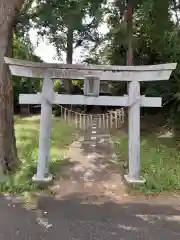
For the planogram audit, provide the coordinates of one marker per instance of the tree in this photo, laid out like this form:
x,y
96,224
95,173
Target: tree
x,y
9,10
65,24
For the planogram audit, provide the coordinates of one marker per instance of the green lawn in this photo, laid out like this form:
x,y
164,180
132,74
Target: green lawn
x,y
27,135
160,159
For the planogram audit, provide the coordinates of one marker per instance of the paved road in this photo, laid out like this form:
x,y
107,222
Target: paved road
x,y
72,219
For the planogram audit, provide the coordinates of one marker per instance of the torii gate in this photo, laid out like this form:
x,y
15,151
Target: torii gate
x,y
91,74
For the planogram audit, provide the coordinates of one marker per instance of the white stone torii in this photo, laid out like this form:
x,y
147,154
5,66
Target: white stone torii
x,y
132,74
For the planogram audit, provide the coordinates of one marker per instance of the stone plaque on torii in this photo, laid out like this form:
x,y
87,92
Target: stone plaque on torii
x,y
92,75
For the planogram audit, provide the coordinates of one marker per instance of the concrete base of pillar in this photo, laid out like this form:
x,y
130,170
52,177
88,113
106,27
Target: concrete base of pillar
x,y
42,180
130,180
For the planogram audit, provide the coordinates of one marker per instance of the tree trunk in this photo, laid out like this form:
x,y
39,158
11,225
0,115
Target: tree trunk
x,y
129,19
8,153
130,33
69,57
161,23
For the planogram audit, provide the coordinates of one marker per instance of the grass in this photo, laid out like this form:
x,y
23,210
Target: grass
x,y
160,159
27,137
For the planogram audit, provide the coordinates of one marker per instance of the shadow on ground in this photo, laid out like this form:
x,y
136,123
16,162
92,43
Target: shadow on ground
x,y
81,217
96,164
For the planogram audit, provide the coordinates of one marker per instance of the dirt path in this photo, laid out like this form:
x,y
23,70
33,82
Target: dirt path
x,y
92,168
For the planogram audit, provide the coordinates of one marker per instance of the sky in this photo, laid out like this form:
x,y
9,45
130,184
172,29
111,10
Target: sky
x,y
47,51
